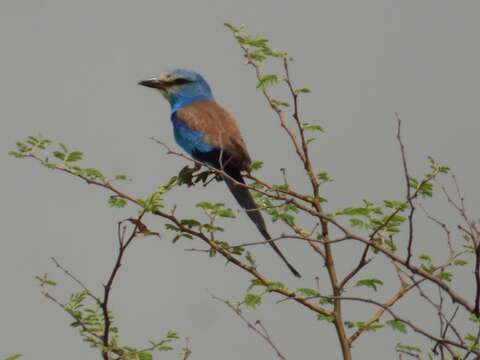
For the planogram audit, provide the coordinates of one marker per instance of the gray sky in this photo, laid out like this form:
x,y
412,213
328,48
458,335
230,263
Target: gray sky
x,y
69,71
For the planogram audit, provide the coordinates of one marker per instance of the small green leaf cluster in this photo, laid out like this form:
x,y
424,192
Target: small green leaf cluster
x,y
257,46
117,201
65,159
30,146
384,221
428,266
256,165
425,187
324,178
471,341
154,202
397,325
267,81
45,280
216,209
360,325
163,345
277,209
408,349
308,292
213,211
324,317
88,318
311,128
370,283
436,167
253,300
14,357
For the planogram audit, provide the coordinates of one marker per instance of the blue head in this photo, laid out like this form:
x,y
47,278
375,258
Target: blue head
x,y
180,87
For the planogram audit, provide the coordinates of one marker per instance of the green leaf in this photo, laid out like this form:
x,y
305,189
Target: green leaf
x,y
172,335
231,27
250,258
16,154
93,174
74,156
190,223
254,283
324,177
407,348
212,252
226,213
397,325
275,285
277,102
371,283
395,205
256,165
307,292
185,235
63,147
14,356
267,81
312,127
322,317
59,155
45,280
165,348
144,356
460,262
217,209
445,275
302,91
425,257
252,300
116,201
212,228
120,177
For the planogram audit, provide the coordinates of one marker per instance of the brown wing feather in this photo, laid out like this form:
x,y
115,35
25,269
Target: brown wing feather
x,y
220,129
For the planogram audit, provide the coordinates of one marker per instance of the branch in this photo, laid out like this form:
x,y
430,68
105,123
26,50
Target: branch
x,y
404,288
260,330
412,326
123,245
407,184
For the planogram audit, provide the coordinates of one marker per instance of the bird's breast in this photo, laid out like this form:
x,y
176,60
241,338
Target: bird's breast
x,y
190,140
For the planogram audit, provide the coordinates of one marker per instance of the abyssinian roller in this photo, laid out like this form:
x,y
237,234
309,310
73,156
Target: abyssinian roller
x,y
210,134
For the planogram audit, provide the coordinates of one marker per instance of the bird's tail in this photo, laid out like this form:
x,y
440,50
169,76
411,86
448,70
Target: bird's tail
x,y
245,199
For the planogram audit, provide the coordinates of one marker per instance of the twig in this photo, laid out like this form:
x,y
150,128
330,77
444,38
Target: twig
x,y
415,328
75,279
108,286
187,350
407,184
260,330
404,288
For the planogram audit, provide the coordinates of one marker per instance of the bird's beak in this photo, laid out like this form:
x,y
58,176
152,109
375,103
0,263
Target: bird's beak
x,y
155,83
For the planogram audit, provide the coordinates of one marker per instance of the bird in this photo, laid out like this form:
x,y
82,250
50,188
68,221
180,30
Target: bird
x,y
210,134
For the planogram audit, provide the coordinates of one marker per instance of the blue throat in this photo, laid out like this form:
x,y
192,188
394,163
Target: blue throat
x,y
197,91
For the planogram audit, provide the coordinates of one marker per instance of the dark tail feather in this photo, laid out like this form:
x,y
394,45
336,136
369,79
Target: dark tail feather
x,y
245,199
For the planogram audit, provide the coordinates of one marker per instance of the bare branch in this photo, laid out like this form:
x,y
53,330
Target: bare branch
x,y
260,330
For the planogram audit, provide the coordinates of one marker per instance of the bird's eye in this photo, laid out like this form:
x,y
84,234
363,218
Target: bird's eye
x,y
181,81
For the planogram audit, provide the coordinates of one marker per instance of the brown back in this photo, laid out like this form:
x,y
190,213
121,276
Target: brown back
x,y
220,129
